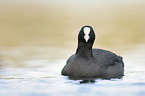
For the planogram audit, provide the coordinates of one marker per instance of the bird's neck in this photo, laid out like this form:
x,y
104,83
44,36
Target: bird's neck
x,y
84,49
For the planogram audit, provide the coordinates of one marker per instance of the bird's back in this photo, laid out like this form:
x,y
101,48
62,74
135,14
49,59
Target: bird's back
x,y
103,64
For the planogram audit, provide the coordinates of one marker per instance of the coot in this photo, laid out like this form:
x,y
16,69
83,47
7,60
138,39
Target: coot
x,y
92,63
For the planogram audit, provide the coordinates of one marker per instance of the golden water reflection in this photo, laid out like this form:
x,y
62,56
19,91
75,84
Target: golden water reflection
x,y
51,27
51,24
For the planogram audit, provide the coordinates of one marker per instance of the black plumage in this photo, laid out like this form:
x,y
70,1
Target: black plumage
x,y
92,63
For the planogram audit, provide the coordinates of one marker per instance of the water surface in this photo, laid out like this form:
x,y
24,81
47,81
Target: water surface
x,y
37,38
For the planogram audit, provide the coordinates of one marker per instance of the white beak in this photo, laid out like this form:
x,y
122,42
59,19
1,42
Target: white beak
x,y
86,32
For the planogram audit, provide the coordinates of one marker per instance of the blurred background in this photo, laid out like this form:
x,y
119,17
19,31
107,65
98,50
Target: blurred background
x,y
39,35
119,25
53,22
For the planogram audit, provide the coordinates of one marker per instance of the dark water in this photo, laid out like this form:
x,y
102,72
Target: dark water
x,y
37,38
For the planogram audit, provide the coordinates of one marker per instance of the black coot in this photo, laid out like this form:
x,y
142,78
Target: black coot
x,y
92,63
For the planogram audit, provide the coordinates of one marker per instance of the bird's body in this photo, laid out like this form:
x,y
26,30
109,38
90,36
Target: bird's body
x,y
93,63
